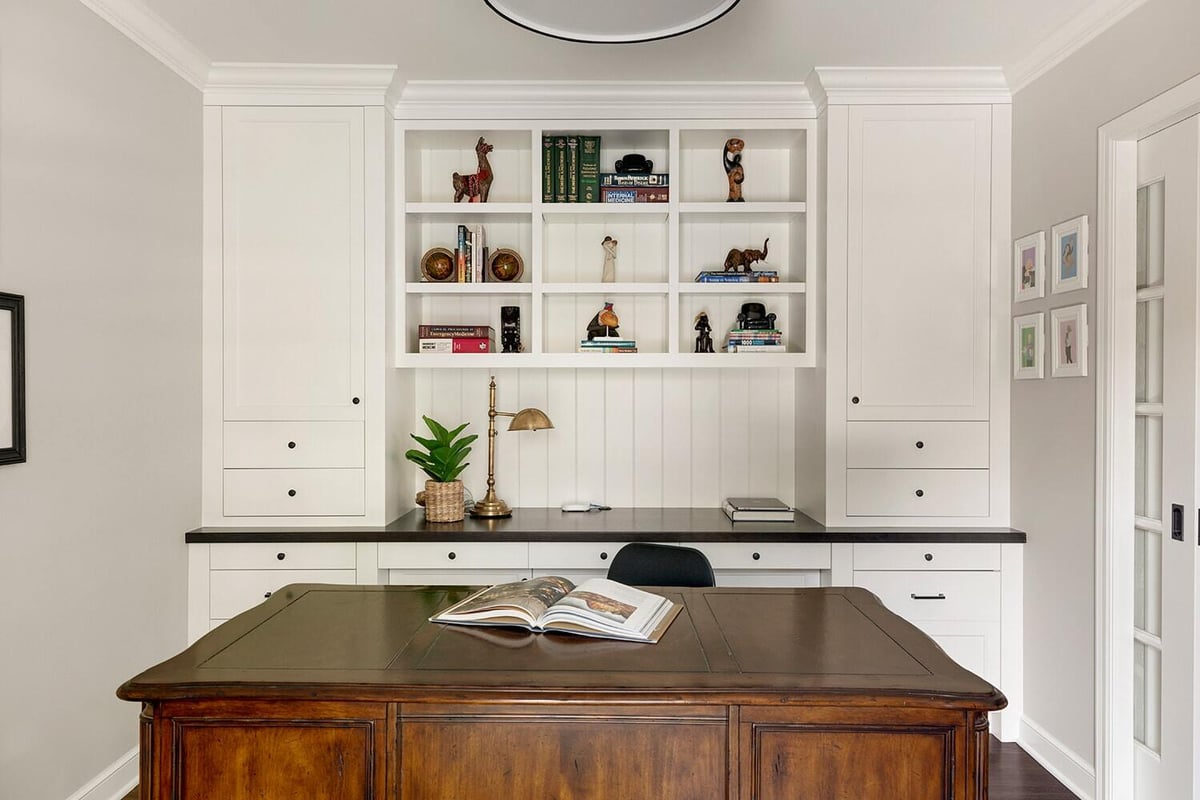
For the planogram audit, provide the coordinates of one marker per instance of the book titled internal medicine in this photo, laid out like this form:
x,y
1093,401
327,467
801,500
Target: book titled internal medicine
x,y
598,607
758,509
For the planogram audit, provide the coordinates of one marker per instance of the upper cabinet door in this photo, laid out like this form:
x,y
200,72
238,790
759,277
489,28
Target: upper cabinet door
x,y
293,268
919,248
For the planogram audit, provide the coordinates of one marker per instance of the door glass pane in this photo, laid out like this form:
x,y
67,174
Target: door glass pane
x,y
1150,235
1147,697
1149,351
1147,490
1147,581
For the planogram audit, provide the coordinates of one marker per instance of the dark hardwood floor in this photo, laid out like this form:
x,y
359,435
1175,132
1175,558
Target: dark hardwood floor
x,y
1014,776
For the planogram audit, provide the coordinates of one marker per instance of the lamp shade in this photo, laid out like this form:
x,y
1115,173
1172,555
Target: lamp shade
x,y
530,419
614,21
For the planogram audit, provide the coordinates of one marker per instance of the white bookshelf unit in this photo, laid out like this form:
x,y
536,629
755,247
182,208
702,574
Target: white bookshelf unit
x,y
662,245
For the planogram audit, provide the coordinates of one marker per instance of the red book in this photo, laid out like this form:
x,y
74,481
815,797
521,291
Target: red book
x,y
461,344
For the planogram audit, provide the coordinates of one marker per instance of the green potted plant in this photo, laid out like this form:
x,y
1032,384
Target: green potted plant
x,y
443,460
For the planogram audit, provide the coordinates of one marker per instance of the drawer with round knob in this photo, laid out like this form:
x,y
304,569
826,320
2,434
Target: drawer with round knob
x,y
294,492
572,555
984,556
453,555
287,555
293,444
915,445
766,555
233,591
917,492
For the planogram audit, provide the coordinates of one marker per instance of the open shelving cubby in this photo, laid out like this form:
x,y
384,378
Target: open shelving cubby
x,y
662,245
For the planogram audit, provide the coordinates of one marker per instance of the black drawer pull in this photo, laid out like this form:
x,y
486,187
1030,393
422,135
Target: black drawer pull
x,y
920,445
756,556
281,556
291,492
920,492
938,596
291,445
452,555
929,556
355,400
268,594
854,400
604,556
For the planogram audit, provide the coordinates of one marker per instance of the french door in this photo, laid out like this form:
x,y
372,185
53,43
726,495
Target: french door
x,y
1165,475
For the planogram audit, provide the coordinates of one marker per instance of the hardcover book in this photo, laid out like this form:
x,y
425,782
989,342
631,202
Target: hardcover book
x,y
720,276
459,344
589,169
598,607
758,509
455,331
547,169
619,179
572,169
640,194
560,169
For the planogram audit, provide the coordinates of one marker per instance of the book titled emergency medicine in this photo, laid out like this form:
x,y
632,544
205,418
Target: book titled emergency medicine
x,y
597,607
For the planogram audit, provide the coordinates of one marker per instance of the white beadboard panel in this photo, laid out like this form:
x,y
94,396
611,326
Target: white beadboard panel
x,y
643,318
626,437
434,156
773,162
426,231
573,251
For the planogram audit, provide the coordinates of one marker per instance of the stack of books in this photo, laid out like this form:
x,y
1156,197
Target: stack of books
x,y
721,276
570,168
470,255
757,509
755,341
651,188
607,344
456,339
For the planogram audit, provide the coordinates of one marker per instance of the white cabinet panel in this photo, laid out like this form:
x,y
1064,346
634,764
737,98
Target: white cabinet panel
x,y
918,262
293,444
765,555
916,445
596,556
888,556
294,492
449,556
234,591
917,492
287,555
936,596
293,263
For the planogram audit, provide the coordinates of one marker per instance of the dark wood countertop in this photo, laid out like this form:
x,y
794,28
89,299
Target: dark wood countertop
x,y
617,525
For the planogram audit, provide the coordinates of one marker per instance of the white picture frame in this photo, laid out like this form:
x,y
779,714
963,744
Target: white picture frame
x,y
1069,341
1069,255
1029,267
1029,345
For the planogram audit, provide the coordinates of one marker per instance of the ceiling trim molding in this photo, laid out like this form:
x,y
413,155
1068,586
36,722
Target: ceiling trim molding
x,y
1067,39
241,84
599,100
848,86
154,35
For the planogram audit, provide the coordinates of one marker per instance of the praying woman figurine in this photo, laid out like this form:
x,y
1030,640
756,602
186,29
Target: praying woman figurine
x,y
610,260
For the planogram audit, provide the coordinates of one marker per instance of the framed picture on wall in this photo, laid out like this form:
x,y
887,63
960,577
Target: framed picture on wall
x,y
1029,342
12,378
1029,267
1069,334
1069,263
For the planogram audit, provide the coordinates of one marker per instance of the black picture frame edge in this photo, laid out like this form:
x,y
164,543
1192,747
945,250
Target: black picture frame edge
x,y
15,304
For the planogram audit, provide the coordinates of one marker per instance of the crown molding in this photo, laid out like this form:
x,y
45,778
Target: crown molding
x,y
152,33
240,84
416,100
848,86
1067,39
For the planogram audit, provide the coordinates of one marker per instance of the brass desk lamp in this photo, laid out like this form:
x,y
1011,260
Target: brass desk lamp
x,y
527,419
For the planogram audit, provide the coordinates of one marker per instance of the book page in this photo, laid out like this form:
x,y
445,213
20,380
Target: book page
x,y
526,600
607,606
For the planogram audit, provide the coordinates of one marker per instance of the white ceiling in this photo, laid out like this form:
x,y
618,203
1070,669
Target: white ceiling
x,y
759,40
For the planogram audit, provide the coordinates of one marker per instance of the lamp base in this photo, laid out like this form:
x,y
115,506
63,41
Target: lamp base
x,y
491,507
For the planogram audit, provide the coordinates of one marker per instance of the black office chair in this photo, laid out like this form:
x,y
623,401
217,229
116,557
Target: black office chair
x,y
643,564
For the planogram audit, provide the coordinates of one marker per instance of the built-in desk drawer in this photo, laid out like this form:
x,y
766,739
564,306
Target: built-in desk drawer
x,y
572,555
233,591
917,492
939,557
936,596
766,555
917,445
289,555
453,555
294,492
293,444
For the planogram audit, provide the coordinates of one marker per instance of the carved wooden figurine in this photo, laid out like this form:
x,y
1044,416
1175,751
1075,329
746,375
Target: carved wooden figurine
x,y
733,169
704,338
604,324
475,187
610,260
741,260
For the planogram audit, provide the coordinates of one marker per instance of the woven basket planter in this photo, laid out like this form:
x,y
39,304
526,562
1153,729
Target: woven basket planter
x,y
444,501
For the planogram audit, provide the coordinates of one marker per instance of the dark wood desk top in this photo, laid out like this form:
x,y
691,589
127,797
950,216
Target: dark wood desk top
x,y
755,646
617,525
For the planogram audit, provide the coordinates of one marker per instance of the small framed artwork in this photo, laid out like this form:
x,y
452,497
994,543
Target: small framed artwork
x,y
12,378
1069,267
1029,267
1069,331
1029,343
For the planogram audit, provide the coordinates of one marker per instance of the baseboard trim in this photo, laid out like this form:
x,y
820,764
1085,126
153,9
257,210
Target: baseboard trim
x,y
1067,766
113,782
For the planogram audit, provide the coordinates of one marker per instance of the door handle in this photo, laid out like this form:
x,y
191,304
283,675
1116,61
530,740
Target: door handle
x,y
1177,522
938,596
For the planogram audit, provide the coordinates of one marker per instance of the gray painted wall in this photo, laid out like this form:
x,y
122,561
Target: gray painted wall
x,y
100,165
1055,122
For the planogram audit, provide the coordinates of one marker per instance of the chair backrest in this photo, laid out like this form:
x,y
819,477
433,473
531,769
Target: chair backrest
x,y
644,564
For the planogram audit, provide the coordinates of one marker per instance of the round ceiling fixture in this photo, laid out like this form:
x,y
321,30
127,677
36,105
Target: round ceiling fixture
x,y
614,21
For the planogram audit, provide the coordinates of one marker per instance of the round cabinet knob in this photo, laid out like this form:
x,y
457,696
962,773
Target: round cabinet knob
x,y
920,445
291,445
281,556
268,594
854,400
756,556
291,492
604,556
355,400
920,492
929,556
452,555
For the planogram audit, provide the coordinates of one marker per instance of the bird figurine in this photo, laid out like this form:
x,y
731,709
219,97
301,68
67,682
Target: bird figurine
x,y
604,324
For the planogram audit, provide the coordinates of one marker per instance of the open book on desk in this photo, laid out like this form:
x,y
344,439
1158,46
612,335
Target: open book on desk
x,y
597,607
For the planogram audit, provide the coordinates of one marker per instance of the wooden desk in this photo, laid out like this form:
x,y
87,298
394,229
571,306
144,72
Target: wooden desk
x,y
347,692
